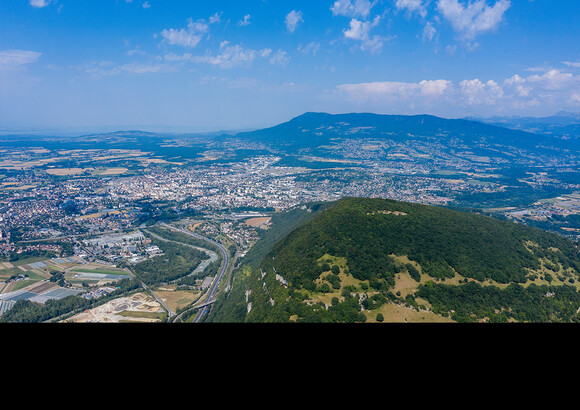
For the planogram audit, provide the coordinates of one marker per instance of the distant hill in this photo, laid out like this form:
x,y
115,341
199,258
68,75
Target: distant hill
x,y
562,124
560,118
365,259
313,129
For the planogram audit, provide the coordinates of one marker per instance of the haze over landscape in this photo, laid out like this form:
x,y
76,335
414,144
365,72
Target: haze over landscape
x,y
213,65
336,161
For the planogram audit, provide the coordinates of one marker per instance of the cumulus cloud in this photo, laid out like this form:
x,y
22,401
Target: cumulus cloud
x,y
549,92
361,31
476,92
216,18
393,90
280,57
292,20
17,59
553,80
572,64
348,8
311,47
186,37
236,55
434,88
518,84
229,56
361,23
474,18
40,3
428,31
245,21
418,6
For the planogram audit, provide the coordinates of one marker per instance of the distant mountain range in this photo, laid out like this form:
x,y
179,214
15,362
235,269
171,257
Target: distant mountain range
x,y
562,124
560,118
315,129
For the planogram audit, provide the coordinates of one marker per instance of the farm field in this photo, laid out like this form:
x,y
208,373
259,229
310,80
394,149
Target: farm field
x,y
177,299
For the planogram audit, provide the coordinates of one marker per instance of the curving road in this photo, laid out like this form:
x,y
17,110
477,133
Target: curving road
x,y
217,280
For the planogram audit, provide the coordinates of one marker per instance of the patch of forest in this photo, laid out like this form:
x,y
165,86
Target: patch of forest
x,y
443,241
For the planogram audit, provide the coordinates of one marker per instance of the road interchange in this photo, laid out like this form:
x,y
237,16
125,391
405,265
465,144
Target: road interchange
x,y
213,289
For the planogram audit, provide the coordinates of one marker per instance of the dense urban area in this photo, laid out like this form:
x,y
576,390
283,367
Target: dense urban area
x,y
78,221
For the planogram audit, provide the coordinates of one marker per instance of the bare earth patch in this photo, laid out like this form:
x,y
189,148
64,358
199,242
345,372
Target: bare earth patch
x,y
394,313
258,221
139,307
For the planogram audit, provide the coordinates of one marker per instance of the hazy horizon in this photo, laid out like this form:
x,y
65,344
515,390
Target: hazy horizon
x,y
176,129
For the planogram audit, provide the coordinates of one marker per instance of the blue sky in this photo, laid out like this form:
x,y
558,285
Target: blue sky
x,y
210,65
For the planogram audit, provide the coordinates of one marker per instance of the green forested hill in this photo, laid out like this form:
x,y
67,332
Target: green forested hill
x,y
383,260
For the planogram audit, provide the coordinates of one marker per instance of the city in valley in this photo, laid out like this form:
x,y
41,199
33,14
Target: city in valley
x,y
76,220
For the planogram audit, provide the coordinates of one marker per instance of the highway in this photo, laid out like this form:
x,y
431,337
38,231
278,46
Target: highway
x,y
209,299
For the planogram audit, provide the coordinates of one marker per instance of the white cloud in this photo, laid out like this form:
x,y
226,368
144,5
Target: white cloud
x,y
418,6
216,18
537,94
245,21
358,30
280,57
146,5
572,64
474,18
392,90
311,47
518,84
360,25
361,31
428,31
553,80
348,8
139,68
434,88
100,69
476,92
292,20
189,37
40,3
232,56
16,59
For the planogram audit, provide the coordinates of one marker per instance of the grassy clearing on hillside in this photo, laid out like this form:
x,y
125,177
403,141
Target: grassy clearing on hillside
x,y
392,312
345,280
405,285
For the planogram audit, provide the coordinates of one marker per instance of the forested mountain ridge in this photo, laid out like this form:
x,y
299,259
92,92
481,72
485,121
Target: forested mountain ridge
x,y
383,260
313,128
